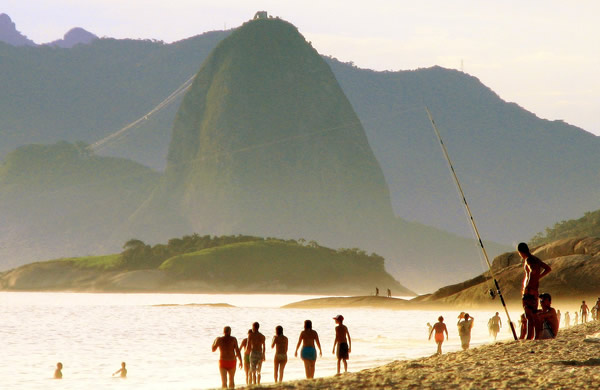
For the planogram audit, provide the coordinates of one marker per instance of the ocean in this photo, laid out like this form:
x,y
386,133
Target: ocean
x,y
166,342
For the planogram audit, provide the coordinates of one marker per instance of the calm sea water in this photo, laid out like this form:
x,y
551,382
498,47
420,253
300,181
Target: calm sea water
x,y
169,347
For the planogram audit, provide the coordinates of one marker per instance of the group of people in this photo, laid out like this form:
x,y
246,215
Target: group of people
x,y
389,292
121,371
255,352
464,324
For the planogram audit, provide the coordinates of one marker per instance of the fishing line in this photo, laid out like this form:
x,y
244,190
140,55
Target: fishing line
x,y
471,219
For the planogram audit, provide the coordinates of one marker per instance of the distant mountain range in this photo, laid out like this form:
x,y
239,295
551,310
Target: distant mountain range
x,y
10,35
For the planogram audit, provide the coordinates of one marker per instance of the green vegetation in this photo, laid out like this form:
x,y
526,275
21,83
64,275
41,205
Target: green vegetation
x,y
586,226
100,263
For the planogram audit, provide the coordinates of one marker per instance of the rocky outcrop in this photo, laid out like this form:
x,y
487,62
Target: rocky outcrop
x,y
9,33
74,36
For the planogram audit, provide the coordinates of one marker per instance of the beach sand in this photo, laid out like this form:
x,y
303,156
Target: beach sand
x,y
567,362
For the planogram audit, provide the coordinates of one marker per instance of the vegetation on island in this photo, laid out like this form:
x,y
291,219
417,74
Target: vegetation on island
x,y
586,226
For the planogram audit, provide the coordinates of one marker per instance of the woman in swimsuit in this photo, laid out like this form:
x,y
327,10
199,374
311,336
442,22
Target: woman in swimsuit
x,y
281,344
244,346
439,328
308,338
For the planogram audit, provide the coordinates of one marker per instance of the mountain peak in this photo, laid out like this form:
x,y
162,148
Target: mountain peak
x,y
9,33
74,36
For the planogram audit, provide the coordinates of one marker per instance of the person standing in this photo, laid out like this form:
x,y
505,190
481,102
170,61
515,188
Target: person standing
x,y
495,325
567,320
280,342
465,324
575,320
256,346
584,312
229,351
439,328
244,346
534,269
58,371
343,343
308,338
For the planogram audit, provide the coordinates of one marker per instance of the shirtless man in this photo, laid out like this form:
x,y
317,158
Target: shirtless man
x,y
439,328
308,338
495,325
229,351
280,342
535,269
343,342
584,312
256,346
547,319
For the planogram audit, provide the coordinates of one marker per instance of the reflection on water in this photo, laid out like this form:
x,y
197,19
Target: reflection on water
x,y
168,347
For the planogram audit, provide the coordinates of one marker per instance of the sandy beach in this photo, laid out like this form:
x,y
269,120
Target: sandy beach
x,y
567,362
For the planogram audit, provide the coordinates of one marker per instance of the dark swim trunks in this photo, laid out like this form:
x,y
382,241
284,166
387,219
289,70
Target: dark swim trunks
x,y
530,301
342,351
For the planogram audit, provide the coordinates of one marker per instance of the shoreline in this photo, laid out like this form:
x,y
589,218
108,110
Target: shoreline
x,y
567,362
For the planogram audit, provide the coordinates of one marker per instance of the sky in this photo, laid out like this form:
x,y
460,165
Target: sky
x,y
542,55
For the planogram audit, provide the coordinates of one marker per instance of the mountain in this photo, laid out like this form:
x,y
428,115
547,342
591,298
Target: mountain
x,y
61,199
10,35
588,225
520,173
74,36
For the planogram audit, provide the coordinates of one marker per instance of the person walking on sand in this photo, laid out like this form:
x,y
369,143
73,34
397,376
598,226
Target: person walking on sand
x,y
376,291
584,312
256,345
308,338
343,343
495,325
567,320
547,319
439,328
557,315
244,346
465,324
389,293
280,342
229,351
122,371
575,320
58,371
597,307
534,269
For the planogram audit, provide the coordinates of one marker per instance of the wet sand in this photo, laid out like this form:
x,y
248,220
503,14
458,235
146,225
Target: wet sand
x,y
567,362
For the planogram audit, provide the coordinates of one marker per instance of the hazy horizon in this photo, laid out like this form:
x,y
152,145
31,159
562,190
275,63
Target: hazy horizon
x,y
543,56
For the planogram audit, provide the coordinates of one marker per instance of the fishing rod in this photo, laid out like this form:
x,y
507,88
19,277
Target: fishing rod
x,y
472,220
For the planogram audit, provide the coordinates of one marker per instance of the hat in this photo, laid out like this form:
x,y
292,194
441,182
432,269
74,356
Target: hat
x,y
339,317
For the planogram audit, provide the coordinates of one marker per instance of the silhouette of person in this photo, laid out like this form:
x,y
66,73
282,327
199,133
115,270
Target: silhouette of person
x,y
280,342
439,328
122,371
584,312
343,342
308,338
229,351
534,270
465,324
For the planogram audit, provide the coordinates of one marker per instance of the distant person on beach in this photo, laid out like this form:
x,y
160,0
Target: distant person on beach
x,y
229,351
343,343
575,320
244,345
389,293
58,371
376,291
429,327
584,312
439,328
495,325
547,319
122,371
535,269
256,345
465,324
567,320
597,307
308,338
280,343
557,315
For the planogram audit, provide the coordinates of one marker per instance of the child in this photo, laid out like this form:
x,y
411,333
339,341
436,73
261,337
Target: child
x,y
122,370
58,371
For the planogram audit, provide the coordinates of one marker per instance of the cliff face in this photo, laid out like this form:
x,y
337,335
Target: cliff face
x,y
9,33
265,142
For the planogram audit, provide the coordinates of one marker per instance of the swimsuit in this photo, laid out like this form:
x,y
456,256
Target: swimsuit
x,y
308,353
255,359
247,359
227,364
281,357
439,337
342,351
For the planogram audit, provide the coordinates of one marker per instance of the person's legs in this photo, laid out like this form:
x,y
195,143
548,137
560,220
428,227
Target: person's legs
x,y
281,368
312,368
231,373
258,373
439,348
223,372
307,368
338,365
345,365
275,368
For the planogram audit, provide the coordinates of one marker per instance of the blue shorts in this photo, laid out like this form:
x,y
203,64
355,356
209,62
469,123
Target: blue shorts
x,y
308,353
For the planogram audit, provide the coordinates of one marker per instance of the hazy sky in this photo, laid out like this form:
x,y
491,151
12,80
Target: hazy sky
x,y
542,55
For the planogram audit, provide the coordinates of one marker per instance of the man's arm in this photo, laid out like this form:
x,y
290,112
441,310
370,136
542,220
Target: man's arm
x,y
545,269
216,344
349,341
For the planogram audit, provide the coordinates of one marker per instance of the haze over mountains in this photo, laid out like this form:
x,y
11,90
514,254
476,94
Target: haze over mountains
x,y
10,35
89,91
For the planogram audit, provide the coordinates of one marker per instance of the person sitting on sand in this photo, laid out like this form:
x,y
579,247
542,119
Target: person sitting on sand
x,y
280,342
58,371
439,328
244,346
535,269
465,324
256,345
584,312
229,351
495,325
567,320
343,342
308,338
547,319
122,371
